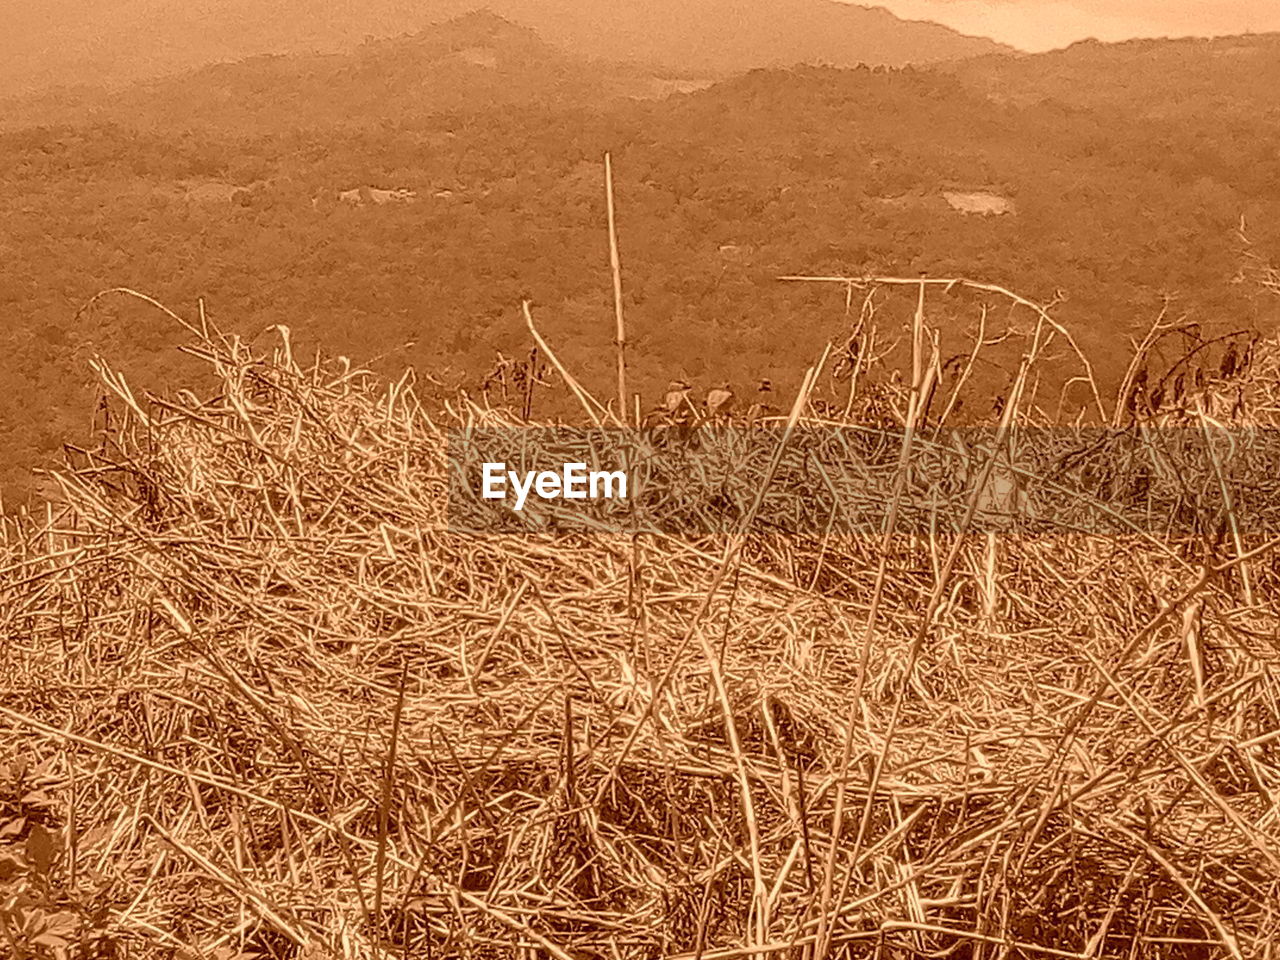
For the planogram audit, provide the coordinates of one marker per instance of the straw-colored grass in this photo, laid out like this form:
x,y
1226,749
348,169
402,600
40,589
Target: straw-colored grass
x,y
262,698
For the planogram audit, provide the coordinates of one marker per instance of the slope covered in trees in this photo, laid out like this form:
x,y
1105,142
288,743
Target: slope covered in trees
x,y
60,43
1123,212
479,60
1196,78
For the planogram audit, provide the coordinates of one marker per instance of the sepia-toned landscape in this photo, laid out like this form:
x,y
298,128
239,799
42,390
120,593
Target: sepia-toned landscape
x,y
940,616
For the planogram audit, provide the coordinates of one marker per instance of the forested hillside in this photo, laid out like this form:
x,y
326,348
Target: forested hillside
x,y
58,43
479,61
1202,80
1117,208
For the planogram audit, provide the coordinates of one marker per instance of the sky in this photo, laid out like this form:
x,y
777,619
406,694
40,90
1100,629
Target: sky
x,y
1037,25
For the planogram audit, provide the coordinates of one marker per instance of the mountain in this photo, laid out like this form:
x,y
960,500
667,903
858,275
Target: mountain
x,y
1196,78
730,36
476,61
1203,104
61,43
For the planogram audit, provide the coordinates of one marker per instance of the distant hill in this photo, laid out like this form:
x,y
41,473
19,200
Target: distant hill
x,y
59,44
731,36
1201,78
477,61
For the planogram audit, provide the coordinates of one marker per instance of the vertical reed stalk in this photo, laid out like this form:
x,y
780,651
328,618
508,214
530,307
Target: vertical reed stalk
x,y
620,342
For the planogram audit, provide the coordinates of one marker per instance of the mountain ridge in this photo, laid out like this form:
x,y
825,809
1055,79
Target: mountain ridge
x,y
65,48
478,61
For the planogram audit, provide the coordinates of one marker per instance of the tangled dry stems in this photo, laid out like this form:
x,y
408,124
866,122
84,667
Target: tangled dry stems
x,y
262,697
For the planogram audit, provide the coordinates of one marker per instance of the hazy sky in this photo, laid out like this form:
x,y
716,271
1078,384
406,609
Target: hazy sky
x,y
1043,24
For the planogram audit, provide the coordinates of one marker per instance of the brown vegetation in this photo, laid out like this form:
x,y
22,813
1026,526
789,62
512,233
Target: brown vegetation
x,y
262,698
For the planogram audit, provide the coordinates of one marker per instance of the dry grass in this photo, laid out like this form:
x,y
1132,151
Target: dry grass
x,y
261,699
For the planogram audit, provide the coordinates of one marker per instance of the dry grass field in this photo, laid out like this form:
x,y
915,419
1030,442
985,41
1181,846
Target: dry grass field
x,y
261,696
